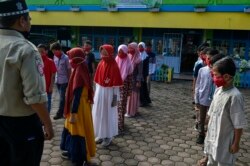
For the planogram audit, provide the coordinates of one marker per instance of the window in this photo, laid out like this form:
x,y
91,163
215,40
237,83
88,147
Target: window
x,y
222,46
98,41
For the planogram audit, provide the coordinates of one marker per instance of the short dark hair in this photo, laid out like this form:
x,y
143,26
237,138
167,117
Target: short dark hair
x,y
42,46
202,46
8,21
216,57
212,51
148,44
203,49
88,42
55,46
226,66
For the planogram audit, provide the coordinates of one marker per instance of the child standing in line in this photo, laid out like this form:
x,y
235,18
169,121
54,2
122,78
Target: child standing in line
x,y
62,75
227,118
198,65
49,70
212,60
126,70
134,98
108,82
202,92
78,141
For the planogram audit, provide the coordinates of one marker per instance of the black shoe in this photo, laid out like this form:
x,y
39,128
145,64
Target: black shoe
x,y
194,117
57,117
200,139
144,105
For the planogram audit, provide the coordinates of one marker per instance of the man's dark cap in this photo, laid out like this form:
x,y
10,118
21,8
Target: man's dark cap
x,y
12,7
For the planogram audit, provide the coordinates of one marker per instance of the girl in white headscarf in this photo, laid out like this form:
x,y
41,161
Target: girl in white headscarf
x,y
144,95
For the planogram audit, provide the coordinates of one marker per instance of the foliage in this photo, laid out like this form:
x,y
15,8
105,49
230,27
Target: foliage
x,y
244,65
112,4
164,67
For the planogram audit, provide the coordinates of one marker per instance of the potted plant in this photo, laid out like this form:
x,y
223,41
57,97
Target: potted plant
x,y
112,7
155,7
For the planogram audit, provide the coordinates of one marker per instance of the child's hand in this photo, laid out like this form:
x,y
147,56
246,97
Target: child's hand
x,y
72,118
234,148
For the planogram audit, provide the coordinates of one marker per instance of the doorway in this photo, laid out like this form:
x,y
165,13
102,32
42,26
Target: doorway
x,y
189,52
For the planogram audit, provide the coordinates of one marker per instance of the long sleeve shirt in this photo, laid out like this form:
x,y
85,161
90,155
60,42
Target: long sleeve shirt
x,y
203,87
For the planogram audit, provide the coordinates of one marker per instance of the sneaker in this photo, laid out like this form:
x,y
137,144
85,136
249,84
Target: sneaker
x,y
65,155
98,140
106,142
200,139
127,115
56,117
121,131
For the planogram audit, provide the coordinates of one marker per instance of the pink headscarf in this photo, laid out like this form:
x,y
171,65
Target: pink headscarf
x,y
124,64
135,59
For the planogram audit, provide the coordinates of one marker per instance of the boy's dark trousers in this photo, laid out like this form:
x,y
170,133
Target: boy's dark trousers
x,y
21,141
62,91
203,113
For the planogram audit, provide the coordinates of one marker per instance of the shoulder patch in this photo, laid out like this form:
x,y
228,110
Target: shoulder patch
x,y
39,66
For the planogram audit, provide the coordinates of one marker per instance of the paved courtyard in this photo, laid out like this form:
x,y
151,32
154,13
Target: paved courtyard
x,y
162,134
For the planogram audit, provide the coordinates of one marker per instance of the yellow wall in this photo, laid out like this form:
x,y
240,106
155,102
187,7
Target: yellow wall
x,y
239,21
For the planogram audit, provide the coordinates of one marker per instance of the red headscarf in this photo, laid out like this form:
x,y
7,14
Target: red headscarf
x,y
79,77
107,72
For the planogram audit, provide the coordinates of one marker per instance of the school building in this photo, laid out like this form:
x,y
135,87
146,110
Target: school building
x,y
175,27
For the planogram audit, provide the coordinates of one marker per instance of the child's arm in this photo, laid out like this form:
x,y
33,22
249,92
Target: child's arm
x,y
76,102
236,143
196,89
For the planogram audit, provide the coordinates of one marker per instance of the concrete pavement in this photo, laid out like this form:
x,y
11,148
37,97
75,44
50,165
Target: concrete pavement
x,y
162,134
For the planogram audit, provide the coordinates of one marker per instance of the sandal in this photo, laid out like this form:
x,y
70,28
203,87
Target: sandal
x,y
202,162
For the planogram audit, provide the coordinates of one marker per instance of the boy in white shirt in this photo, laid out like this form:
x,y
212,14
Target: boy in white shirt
x,y
227,118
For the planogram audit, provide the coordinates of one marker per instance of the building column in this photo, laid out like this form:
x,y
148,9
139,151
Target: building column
x,y
75,36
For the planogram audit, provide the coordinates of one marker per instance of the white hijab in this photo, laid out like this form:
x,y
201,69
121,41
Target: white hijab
x,y
143,54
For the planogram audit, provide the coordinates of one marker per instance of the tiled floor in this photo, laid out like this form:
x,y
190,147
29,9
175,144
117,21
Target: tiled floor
x,y
162,134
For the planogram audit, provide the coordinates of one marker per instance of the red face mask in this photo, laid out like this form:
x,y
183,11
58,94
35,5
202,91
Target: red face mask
x,y
219,81
105,58
141,49
203,59
122,55
148,50
87,49
72,64
58,54
212,74
132,52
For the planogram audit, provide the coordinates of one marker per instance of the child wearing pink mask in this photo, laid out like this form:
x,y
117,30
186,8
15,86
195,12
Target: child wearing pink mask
x,y
126,69
227,117
202,92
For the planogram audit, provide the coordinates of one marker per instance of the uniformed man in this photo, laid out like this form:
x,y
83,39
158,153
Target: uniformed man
x,y
22,90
